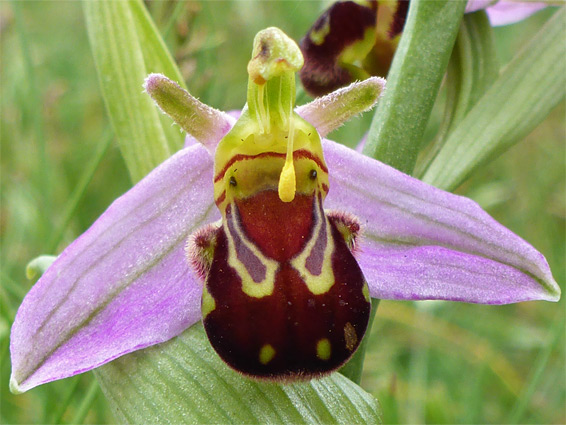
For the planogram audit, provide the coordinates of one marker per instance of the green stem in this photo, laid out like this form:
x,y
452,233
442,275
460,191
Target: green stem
x,y
413,82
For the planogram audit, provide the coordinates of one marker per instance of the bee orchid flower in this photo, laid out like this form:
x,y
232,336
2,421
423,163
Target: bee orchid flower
x,y
128,282
354,39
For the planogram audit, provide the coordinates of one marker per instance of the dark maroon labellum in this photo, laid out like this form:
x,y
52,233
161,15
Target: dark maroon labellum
x,y
287,330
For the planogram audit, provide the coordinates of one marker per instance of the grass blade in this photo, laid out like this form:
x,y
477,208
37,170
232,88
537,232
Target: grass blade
x,y
526,91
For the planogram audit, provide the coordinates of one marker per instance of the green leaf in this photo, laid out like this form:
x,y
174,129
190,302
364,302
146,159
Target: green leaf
x,y
413,82
156,56
126,47
158,59
473,67
184,381
479,65
531,85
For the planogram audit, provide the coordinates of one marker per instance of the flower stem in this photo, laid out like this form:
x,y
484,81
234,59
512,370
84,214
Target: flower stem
x,y
413,82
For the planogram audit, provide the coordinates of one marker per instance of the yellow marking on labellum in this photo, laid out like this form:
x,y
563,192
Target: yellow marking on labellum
x,y
360,49
365,291
350,337
323,349
266,354
250,287
321,283
318,36
208,304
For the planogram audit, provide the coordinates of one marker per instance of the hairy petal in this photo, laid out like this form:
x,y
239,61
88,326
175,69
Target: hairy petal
x,y
420,242
204,123
124,284
329,112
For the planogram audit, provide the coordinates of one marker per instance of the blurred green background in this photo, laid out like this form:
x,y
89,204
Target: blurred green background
x,y
434,362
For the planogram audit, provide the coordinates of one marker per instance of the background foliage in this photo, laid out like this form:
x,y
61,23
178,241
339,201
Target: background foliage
x,y
431,362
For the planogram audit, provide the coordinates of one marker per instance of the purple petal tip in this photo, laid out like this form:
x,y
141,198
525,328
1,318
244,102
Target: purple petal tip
x,y
421,242
152,80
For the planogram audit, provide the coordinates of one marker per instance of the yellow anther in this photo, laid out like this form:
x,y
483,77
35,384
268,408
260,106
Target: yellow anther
x,y
287,181
287,184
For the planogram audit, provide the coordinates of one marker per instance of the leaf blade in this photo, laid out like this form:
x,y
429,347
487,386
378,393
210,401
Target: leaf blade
x,y
119,60
191,373
472,68
158,60
506,114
